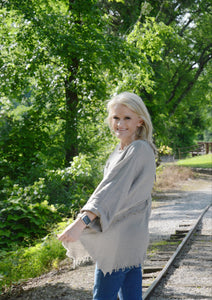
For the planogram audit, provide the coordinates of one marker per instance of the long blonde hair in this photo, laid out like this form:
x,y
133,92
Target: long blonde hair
x,y
136,104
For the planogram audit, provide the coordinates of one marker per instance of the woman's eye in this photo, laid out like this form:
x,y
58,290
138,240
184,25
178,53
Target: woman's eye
x,y
127,118
115,118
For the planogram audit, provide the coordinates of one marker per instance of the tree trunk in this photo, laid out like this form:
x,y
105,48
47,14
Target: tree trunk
x,y
71,147
71,132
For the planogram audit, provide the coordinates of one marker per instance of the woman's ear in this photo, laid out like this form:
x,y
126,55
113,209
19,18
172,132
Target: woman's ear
x,y
140,123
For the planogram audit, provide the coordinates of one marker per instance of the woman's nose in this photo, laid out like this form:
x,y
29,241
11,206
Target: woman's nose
x,y
119,122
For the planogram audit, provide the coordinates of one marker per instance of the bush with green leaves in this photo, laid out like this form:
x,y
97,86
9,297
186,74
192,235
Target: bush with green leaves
x,y
69,188
25,214
28,212
163,150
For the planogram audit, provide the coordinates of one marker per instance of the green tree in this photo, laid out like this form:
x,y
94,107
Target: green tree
x,y
53,57
60,60
178,49
180,93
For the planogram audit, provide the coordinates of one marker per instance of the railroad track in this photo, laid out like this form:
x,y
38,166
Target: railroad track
x,y
162,255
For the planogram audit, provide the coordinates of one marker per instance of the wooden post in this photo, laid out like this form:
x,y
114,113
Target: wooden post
x,y
207,148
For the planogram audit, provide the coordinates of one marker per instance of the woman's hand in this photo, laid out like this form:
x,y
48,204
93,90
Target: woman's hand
x,y
72,232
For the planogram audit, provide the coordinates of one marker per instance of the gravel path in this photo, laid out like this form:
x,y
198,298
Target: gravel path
x,y
191,276
179,207
169,210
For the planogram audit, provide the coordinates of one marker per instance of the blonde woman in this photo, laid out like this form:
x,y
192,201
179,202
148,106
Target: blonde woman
x,y
113,224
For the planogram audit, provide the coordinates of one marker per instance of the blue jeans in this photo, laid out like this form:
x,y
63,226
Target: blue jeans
x,y
126,283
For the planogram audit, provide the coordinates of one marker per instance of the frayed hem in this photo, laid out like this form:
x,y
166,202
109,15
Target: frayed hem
x,y
81,262
118,268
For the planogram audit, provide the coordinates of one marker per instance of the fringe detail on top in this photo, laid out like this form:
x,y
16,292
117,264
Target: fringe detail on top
x,y
121,267
77,253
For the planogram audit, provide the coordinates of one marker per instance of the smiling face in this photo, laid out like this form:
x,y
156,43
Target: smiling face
x,y
124,123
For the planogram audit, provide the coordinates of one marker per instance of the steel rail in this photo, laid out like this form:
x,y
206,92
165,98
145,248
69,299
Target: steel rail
x,y
171,260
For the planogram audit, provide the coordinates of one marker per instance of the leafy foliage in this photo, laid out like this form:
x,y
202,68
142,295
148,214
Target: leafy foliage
x,y
186,59
29,212
69,188
25,215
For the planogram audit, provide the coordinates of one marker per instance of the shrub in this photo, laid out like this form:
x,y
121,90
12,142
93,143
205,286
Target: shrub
x,y
28,212
69,188
165,150
25,215
161,152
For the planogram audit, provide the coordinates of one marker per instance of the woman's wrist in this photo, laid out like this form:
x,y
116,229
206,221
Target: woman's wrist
x,y
81,223
90,214
86,217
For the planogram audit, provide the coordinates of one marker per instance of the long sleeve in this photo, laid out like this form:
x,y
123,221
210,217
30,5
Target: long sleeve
x,y
127,183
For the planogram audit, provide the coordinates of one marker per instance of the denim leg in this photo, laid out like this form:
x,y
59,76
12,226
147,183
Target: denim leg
x,y
132,285
106,287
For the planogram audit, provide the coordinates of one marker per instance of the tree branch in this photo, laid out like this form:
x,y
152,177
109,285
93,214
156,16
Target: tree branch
x,y
184,27
202,63
160,10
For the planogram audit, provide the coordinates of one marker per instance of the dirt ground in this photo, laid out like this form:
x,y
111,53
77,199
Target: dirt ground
x,y
76,284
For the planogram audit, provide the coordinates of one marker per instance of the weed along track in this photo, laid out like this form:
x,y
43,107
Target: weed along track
x,y
167,255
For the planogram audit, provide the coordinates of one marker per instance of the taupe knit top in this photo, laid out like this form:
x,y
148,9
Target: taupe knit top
x,y
119,236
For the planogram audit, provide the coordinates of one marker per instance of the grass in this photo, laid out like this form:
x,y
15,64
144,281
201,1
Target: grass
x,y
24,263
160,245
202,161
30,262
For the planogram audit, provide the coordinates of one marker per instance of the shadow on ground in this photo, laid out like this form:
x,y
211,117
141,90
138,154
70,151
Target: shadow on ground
x,y
49,292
